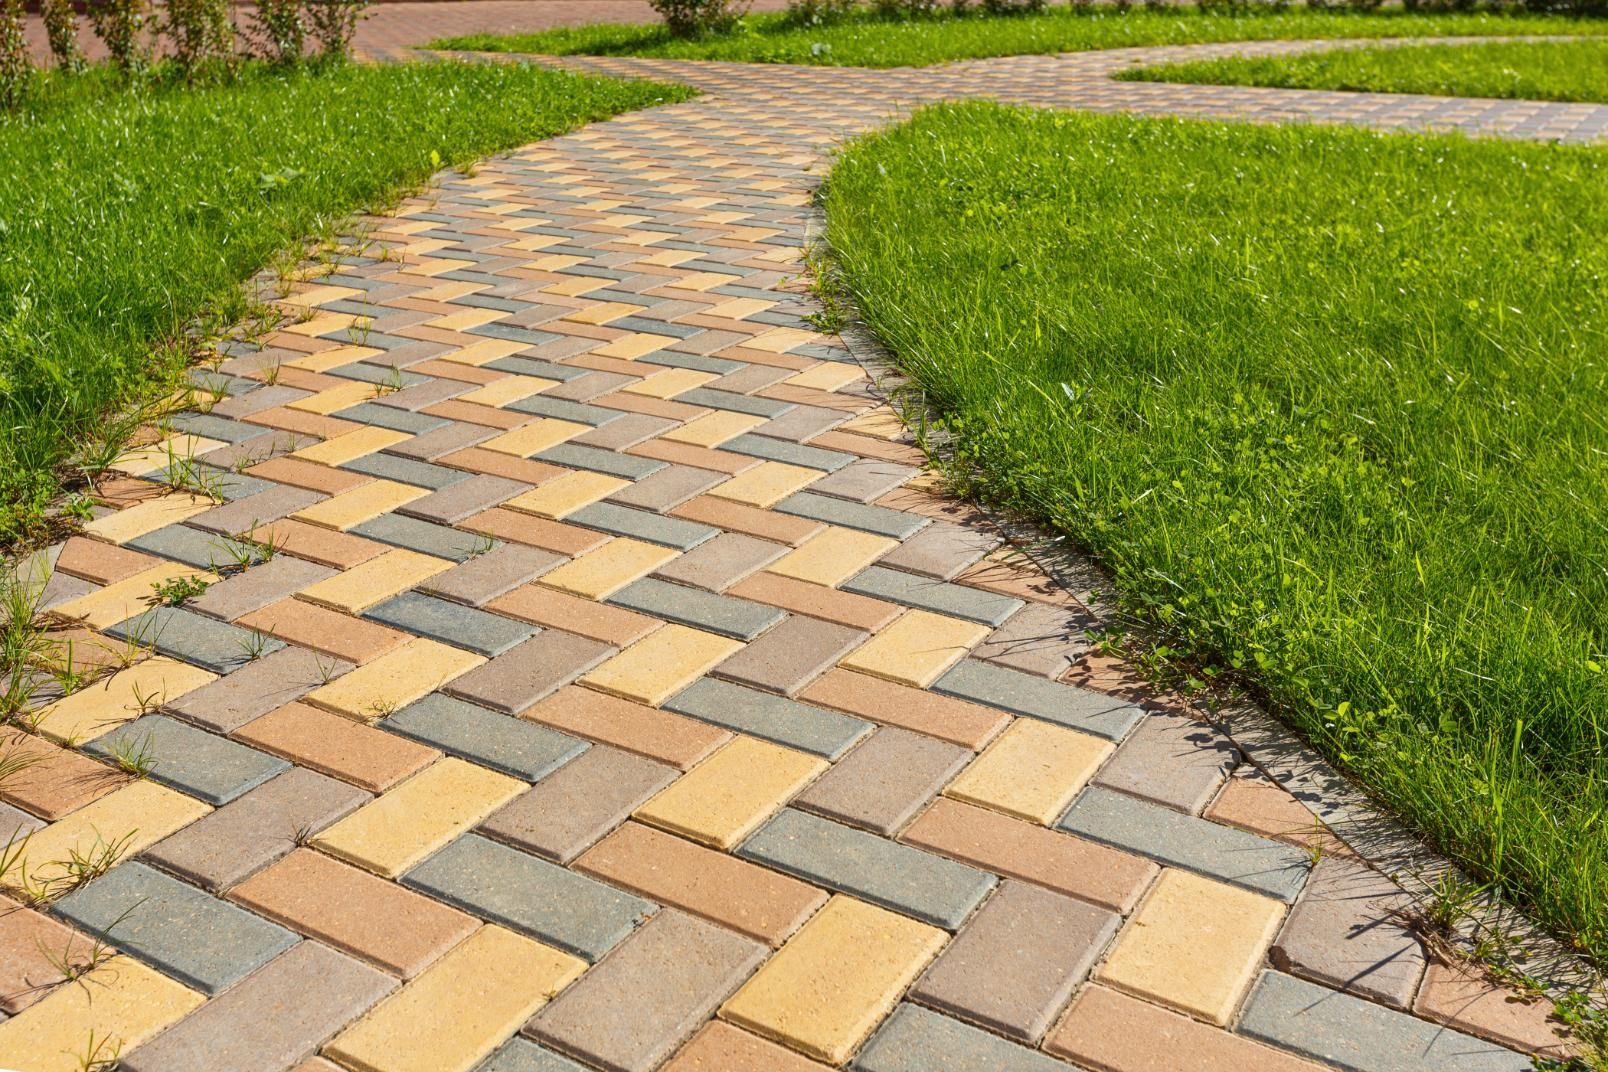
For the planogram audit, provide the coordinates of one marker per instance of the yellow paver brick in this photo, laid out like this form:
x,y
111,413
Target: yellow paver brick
x,y
766,484
357,589
780,340
480,353
460,1008
469,318
1031,771
713,429
630,347
832,556
434,266
834,981
661,664
148,516
827,376
569,288
343,448
124,822
118,1005
122,600
104,705
916,648
565,494
704,280
669,383
334,357
1195,945
879,423
738,308
394,680
321,295
175,449
335,398
599,574
396,830
535,437
321,324
726,797
360,504
506,390
601,312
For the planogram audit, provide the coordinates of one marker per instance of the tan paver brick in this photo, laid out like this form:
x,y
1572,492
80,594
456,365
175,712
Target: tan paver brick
x,y
124,599
102,706
118,1005
713,429
330,632
566,494
916,649
118,825
361,587
393,680
833,556
368,758
599,574
661,664
559,610
53,780
1032,771
661,735
34,950
766,484
726,797
357,505
720,1047
148,516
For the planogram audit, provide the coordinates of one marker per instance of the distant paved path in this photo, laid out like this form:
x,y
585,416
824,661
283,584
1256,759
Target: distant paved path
x,y
622,687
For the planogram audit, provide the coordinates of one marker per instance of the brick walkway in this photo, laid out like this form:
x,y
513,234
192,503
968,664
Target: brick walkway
x,y
620,693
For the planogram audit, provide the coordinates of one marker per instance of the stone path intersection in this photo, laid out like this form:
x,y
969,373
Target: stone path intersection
x,y
591,677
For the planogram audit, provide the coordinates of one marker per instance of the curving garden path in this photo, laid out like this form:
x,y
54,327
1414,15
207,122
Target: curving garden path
x,y
610,688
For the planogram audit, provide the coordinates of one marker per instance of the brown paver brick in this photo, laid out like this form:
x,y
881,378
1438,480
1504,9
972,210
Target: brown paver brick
x,y
560,610
736,517
34,948
103,563
790,655
631,1011
817,601
1463,997
722,562
378,921
53,781
570,809
326,547
734,893
1171,760
341,636
257,688
885,780
1252,801
720,1047
505,524
368,758
967,724
1346,932
660,735
530,671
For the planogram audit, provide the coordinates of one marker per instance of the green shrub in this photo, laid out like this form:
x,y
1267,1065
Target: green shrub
x,y
61,30
200,33
15,69
120,24
1013,7
698,18
333,23
279,30
818,12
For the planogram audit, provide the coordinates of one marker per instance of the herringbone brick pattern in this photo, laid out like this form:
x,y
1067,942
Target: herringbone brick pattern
x,y
590,675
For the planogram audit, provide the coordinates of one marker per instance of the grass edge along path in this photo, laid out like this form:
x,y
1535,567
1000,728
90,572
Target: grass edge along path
x,y
1231,361
1510,70
141,210
866,39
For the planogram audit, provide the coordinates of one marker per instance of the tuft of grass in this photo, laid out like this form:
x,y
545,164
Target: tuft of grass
x,y
1515,70
867,38
134,212
1329,404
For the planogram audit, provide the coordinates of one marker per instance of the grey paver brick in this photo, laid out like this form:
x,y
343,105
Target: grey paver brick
x,y
249,833
405,470
426,537
671,974
791,655
1199,845
242,515
260,686
917,883
1345,931
529,672
654,528
516,889
885,780
16,823
628,466
475,630
853,515
526,750
1039,639
571,808
628,431
1025,694
914,1039
487,576
785,450
759,407
202,764
213,427
522,1055
1014,965
208,643
801,423
722,562
669,487
239,595
726,615
272,1020
453,436
400,420
458,501
942,549
1171,760
941,597
864,479
772,718
194,937
1360,1036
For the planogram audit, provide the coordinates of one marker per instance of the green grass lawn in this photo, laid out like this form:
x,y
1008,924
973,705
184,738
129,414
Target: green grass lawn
x,y
1523,70
867,40
1330,405
126,215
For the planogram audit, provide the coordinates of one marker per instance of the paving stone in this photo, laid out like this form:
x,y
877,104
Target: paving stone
x,y
355,590
600,573
428,538
1040,639
183,634
495,573
640,524
453,623
50,781
401,470
830,985
271,1020
250,833
864,480
1345,931
109,702
721,562
201,941
207,766
120,999
339,637
783,450
632,1011
764,484
772,718
530,671
1031,771
522,1055
258,687
242,593
942,549
131,818
1360,1036
727,796
204,550
511,745
666,488
392,833
916,649
735,517
602,461
399,420
33,951
1023,694
416,668
558,610
761,407
885,780
570,809
564,495
391,927
875,519
16,824
1013,966
516,889
696,607
368,758
1171,760
720,1046
659,735
1112,1031
632,429
998,843
463,498
914,1039
962,723
1184,841
791,655
461,1009
661,664
1463,996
